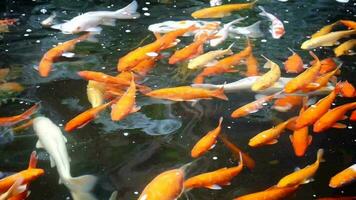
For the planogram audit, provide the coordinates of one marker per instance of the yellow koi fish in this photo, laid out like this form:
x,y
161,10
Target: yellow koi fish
x,y
95,93
325,30
268,79
343,49
326,40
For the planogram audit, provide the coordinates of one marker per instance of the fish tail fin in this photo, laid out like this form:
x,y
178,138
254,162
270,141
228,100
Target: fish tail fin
x,y
236,21
263,11
291,50
30,111
128,12
144,89
220,121
319,155
317,61
219,93
241,161
81,186
113,195
338,87
33,160
255,30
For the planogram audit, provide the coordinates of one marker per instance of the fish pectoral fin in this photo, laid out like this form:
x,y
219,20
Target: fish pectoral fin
x,y
274,141
308,181
135,109
51,160
291,138
296,169
212,146
65,139
226,183
310,139
39,145
339,125
95,30
157,35
87,122
108,21
214,187
60,181
57,26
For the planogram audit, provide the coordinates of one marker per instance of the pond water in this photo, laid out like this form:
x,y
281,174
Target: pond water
x,y
126,155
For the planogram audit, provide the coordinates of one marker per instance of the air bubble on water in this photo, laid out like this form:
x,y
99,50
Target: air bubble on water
x,y
21,102
136,193
215,158
265,104
333,104
26,34
103,67
127,31
314,195
28,30
133,142
43,11
38,41
147,3
38,86
263,40
60,125
11,10
23,14
174,6
126,134
349,127
285,21
146,14
6,50
229,127
144,8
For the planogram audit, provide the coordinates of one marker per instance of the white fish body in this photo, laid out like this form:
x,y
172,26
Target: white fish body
x,y
329,39
52,140
252,31
48,21
277,27
246,83
91,20
215,3
168,26
223,33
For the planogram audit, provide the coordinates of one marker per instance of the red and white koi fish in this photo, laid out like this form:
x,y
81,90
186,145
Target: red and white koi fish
x,y
277,27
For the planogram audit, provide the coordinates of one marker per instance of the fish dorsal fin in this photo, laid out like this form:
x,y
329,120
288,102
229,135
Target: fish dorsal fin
x,y
33,160
339,125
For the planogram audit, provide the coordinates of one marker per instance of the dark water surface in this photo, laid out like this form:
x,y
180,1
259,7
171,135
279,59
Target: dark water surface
x,y
128,154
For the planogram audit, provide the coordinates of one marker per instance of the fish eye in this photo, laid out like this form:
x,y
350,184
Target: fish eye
x,y
78,28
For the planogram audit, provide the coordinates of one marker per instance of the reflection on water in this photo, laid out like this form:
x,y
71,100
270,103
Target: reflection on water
x,y
128,154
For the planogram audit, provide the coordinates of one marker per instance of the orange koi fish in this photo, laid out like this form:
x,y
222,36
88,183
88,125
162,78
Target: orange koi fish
x,y
187,93
302,176
221,11
301,139
126,104
338,198
207,142
145,66
247,160
327,65
344,177
85,117
252,65
224,65
288,102
3,73
11,87
350,24
251,107
353,116
272,193
23,126
191,51
50,57
303,78
294,63
270,136
320,81
28,175
347,89
330,118
136,56
104,78
166,186
314,112
215,179
9,121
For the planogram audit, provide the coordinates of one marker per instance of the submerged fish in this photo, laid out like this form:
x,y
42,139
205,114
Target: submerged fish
x,y
286,103
9,121
269,78
90,21
252,65
222,34
344,48
344,177
95,93
349,23
329,39
50,138
221,11
277,27
325,30
168,26
272,193
49,21
294,63
14,190
252,31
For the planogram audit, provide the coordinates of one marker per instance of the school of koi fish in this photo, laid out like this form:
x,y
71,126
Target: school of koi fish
x,y
117,93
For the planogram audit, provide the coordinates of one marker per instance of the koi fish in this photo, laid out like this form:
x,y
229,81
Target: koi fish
x,y
202,26
314,112
329,39
9,121
14,190
272,193
252,31
350,24
222,34
126,104
330,118
103,78
353,116
23,126
215,179
268,79
304,78
191,51
252,66
224,65
26,176
187,93
325,30
207,142
11,87
269,137
251,107
95,93
301,139
221,11
288,102
90,21
344,177
53,141
338,198
277,27
49,21
344,48
145,66
204,59
320,81
347,89
247,160
302,176
45,66
327,65
166,186
294,63
85,117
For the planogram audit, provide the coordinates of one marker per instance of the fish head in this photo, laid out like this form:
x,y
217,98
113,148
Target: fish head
x,y
71,28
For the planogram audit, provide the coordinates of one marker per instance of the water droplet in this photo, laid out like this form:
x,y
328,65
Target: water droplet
x,y
145,8
43,11
136,193
263,40
215,158
126,134
26,34
38,41
147,3
127,31
349,127
146,14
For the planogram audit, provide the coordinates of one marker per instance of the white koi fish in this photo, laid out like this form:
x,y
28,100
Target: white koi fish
x,y
215,3
209,27
90,21
277,27
49,21
252,31
52,140
223,33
